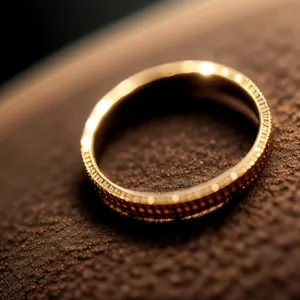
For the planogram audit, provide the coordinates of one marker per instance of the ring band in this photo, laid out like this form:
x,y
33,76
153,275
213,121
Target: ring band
x,y
190,202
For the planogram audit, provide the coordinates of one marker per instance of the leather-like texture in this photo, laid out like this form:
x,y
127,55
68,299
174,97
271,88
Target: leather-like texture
x,y
58,241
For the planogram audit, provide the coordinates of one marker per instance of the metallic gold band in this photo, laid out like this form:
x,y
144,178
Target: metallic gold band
x,y
191,202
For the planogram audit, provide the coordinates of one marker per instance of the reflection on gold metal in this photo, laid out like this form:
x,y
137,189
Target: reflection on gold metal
x,y
206,68
191,202
238,78
86,142
234,175
91,123
215,187
102,107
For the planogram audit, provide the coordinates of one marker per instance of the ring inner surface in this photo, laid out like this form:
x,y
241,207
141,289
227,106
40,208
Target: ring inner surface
x,y
175,133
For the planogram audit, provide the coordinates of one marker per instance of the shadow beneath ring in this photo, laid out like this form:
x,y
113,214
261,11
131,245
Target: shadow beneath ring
x,y
178,231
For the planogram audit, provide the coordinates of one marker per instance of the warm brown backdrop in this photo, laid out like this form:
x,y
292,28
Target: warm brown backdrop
x,y
59,241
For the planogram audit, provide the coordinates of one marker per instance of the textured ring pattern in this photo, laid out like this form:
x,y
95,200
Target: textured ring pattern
x,y
191,202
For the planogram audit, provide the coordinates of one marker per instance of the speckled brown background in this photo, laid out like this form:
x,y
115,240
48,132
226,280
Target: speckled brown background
x,y
58,241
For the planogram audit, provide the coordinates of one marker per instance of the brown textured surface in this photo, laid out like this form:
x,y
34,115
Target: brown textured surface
x,y
59,241
176,150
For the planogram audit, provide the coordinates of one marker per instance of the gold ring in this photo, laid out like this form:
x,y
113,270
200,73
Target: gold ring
x,y
190,202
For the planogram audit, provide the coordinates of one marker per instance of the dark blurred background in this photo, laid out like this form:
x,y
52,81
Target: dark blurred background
x,y
31,30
